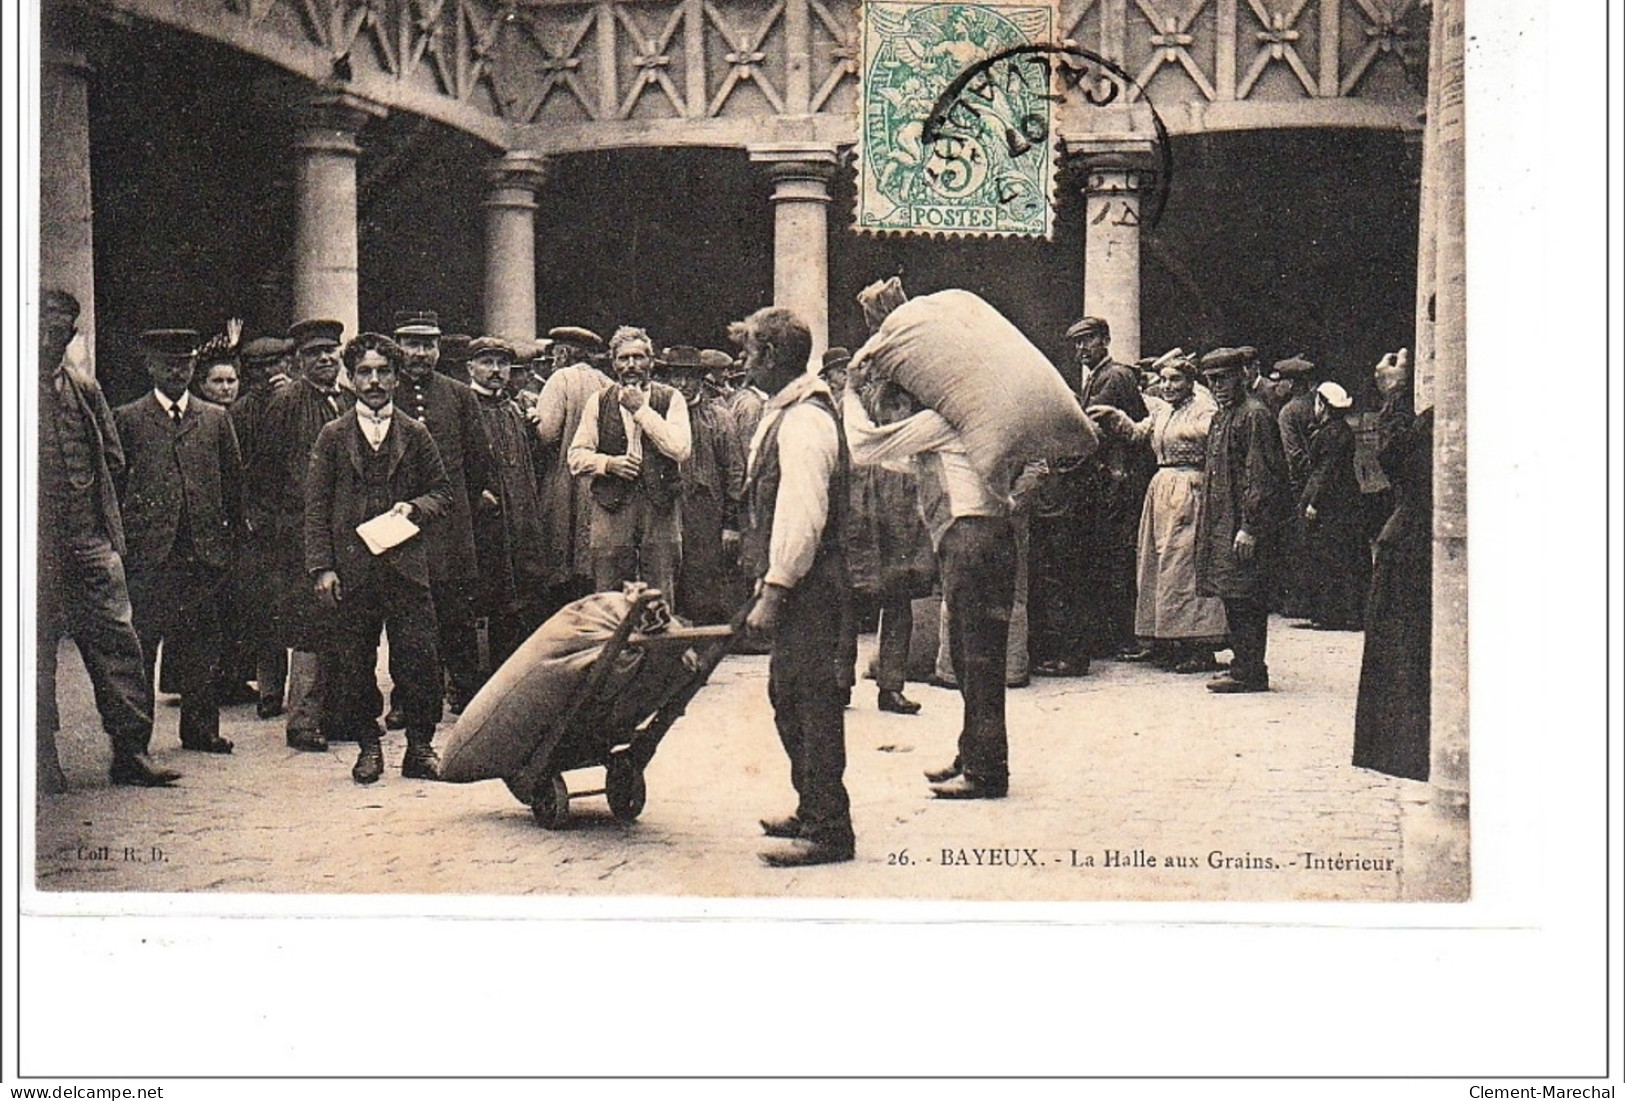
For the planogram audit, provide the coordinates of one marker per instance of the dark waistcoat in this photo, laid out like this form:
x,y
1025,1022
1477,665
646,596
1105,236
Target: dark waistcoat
x,y
659,478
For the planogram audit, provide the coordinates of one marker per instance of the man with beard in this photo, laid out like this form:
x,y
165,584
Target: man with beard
x,y
368,463
82,589
448,410
794,548
181,497
566,496
507,535
266,361
294,416
713,482
631,440
1243,489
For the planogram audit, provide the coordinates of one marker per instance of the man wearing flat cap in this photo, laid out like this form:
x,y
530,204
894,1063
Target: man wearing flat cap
x,y
530,372
566,496
294,416
631,440
507,533
1295,418
81,588
267,363
448,410
1243,493
181,498
713,480
1085,526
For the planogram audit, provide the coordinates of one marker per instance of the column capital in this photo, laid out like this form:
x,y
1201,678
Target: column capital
x,y
329,120
513,179
1113,165
809,165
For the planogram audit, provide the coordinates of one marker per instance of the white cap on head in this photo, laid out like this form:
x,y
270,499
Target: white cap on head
x,y
1335,395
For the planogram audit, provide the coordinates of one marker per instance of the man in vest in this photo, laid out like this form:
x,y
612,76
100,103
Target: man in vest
x,y
631,438
794,547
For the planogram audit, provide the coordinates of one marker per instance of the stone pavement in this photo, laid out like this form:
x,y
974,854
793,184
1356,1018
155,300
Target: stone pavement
x,y
1108,773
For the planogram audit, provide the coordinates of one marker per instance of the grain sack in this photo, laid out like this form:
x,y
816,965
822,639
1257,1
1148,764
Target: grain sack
x,y
961,357
511,716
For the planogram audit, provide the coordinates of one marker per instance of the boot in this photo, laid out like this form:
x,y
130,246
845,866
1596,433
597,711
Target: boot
x,y
133,768
894,701
369,766
421,762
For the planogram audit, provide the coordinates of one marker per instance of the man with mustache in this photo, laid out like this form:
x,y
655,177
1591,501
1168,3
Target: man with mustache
x,y
367,463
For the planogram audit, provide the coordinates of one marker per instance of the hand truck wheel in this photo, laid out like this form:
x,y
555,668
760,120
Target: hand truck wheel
x,y
625,789
550,803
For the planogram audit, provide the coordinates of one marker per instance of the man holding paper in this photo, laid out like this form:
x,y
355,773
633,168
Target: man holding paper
x,y
376,471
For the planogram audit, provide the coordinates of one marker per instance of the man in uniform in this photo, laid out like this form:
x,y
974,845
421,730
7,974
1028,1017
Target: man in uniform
x,y
1243,494
81,587
794,548
368,463
631,439
566,497
448,410
294,416
267,363
181,499
508,534
713,482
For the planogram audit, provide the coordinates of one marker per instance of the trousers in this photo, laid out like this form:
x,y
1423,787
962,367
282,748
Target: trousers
x,y
383,599
1249,622
978,558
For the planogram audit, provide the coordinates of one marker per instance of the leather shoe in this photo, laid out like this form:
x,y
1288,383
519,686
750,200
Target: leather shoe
x,y
137,770
215,744
801,853
1199,664
788,828
1060,667
1144,654
269,709
897,703
964,787
369,766
395,719
1229,685
421,762
942,775
310,741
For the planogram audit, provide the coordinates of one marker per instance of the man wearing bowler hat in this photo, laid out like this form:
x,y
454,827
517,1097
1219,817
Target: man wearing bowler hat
x,y
294,416
1243,493
181,497
446,407
566,496
82,591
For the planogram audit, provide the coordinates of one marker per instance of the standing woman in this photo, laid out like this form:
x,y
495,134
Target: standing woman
x,y
1334,541
1178,628
1391,717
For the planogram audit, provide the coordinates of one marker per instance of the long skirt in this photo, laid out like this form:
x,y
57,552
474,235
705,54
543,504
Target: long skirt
x,y
1168,606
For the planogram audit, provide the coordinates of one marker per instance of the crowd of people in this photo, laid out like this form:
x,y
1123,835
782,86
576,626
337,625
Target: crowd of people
x,y
273,505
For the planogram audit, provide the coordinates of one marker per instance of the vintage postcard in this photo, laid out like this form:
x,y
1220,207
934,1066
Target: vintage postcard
x,y
1119,567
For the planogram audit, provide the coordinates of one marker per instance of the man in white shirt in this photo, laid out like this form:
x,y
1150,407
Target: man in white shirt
x,y
794,547
631,438
976,550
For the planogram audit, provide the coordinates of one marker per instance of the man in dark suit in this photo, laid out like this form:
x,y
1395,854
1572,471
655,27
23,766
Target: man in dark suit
x,y
449,410
81,586
294,416
367,463
267,361
181,497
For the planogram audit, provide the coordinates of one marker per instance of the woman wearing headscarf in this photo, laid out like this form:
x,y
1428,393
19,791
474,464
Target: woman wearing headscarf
x,y
1337,558
1178,629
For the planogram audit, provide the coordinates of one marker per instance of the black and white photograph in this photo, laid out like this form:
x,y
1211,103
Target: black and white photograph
x,y
965,458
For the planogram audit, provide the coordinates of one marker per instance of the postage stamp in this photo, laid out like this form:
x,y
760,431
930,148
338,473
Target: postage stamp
x,y
989,168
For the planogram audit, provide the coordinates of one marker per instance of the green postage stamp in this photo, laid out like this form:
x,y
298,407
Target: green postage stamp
x,y
949,142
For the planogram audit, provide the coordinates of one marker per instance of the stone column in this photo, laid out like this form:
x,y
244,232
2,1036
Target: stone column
x,y
1111,248
325,235
66,257
510,246
801,176
1435,834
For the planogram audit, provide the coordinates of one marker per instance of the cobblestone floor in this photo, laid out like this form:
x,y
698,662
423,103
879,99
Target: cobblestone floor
x,y
1127,761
